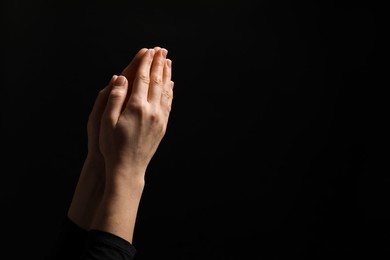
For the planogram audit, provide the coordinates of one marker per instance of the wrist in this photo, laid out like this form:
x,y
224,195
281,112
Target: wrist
x,y
118,209
124,180
94,166
126,172
88,193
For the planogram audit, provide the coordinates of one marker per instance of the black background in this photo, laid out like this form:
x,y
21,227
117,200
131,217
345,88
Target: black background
x,y
273,145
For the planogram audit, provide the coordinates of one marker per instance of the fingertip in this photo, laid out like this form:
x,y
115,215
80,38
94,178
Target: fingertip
x,y
120,80
164,52
113,78
169,63
143,50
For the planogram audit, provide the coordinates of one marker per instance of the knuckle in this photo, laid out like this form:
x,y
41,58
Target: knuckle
x,y
158,122
157,81
143,78
136,103
117,93
138,107
160,62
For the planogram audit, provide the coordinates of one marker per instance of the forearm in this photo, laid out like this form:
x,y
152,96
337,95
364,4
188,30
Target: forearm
x,y
117,212
88,193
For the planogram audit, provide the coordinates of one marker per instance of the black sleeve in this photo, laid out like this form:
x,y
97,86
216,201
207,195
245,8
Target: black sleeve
x,y
75,243
103,245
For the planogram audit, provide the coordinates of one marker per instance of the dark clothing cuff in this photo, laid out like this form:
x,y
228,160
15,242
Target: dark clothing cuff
x,y
76,243
105,245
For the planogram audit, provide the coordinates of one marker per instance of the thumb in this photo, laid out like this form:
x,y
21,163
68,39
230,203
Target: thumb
x,y
116,99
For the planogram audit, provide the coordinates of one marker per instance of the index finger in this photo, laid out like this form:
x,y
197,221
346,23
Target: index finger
x,y
131,68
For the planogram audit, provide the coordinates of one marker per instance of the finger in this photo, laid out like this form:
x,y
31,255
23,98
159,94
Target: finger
x,y
101,101
142,77
167,90
157,76
131,68
167,76
171,92
116,99
167,98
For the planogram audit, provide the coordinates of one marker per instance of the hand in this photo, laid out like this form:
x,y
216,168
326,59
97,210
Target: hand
x,y
136,115
132,126
94,119
91,183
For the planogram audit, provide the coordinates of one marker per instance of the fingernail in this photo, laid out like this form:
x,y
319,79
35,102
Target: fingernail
x,y
169,63
151,52
120,81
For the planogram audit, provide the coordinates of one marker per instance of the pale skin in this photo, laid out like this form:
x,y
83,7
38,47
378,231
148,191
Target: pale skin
x,y
125,127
